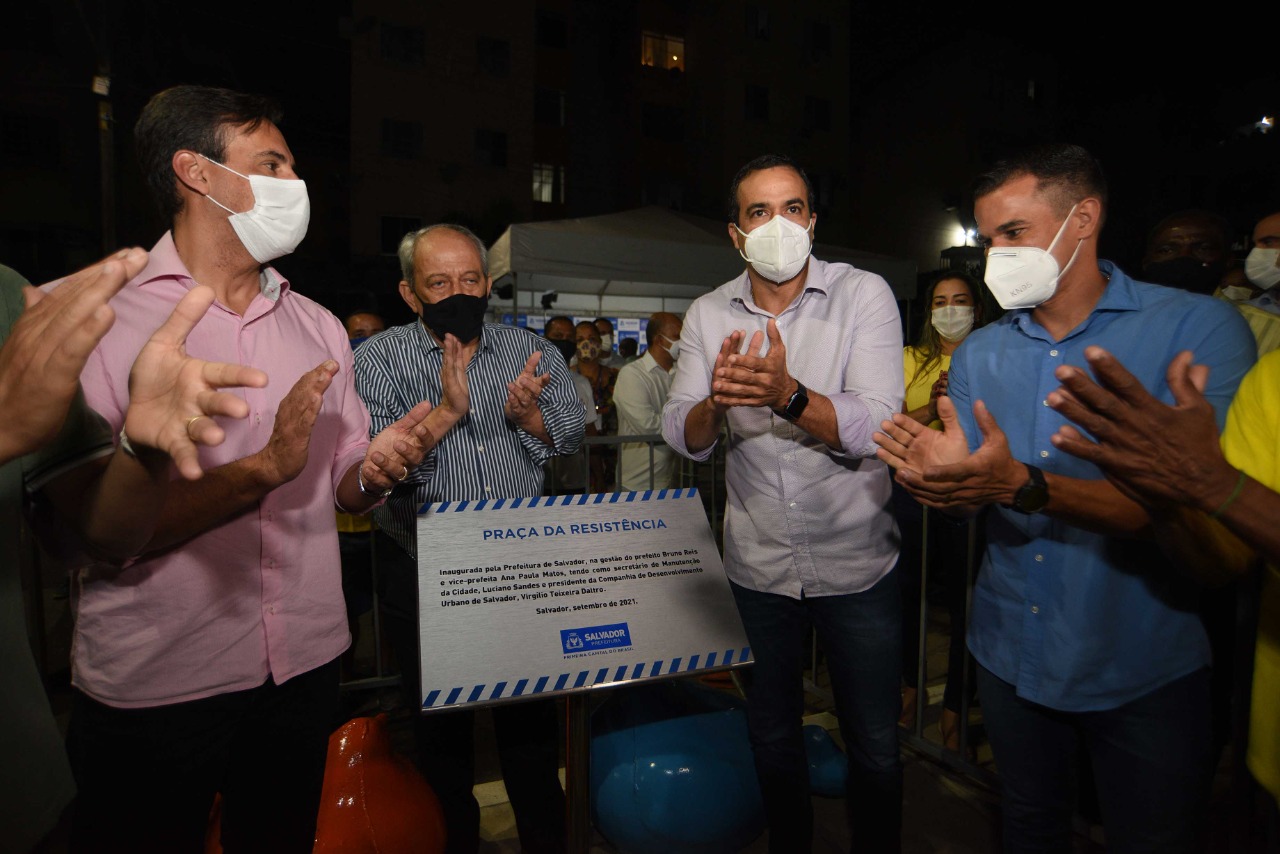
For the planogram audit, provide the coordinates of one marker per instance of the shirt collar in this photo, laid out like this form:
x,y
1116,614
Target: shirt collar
x,y
648,363
1119,295
815,281
163,262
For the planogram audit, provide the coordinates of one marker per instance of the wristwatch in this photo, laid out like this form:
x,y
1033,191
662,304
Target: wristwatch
x,y
795,404
1032,496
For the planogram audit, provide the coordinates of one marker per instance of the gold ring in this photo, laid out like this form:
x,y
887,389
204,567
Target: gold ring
x,y
192,420
406,471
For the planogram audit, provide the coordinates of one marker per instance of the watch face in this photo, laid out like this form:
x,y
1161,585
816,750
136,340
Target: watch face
x,y
798,402
1031,498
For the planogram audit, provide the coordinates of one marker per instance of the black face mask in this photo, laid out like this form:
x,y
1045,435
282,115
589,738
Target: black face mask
x,y
568,349
460,315
1187,273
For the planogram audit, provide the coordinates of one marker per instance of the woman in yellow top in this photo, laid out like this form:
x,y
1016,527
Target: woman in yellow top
x,y
955,309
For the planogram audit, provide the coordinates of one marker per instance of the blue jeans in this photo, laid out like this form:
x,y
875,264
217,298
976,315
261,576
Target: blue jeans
x,y
861,636
1151,758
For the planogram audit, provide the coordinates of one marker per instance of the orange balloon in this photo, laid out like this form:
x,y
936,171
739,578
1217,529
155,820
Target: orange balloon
x,y
374,801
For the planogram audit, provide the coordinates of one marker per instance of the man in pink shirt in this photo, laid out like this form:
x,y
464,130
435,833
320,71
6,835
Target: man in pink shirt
x,y
208,663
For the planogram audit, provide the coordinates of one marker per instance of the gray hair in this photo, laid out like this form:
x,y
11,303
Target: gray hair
x,y
409,245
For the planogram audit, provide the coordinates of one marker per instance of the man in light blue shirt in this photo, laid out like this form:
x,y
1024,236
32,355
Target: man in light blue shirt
x,y
1083,633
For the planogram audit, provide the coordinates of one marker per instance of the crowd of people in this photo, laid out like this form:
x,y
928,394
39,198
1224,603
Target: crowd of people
x,y
1080,429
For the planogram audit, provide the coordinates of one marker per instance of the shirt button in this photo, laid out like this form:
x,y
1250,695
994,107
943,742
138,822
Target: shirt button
x,y
1040,557
480,448
1044,453
1045,402
793,504
487,489
1035,609
1053,352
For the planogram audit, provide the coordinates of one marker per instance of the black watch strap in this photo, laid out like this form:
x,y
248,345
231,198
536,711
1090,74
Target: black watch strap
x,y
795,404
1032,496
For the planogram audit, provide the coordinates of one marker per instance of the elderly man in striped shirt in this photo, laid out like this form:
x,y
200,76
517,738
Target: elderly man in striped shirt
x,y
504,404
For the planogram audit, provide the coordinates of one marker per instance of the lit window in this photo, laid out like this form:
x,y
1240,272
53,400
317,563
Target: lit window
x,y
662,51
548,183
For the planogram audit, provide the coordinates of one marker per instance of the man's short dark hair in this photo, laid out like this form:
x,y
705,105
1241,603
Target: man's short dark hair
x,y
628,346
1065,173
764,161
197,118
559,318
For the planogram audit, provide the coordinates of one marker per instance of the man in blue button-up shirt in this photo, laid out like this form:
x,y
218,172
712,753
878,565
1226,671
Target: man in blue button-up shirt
x,y
1083,633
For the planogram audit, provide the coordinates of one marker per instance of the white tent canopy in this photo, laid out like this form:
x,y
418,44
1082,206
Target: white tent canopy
x,y
651,253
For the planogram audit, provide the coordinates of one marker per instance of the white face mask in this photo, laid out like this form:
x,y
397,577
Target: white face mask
x,y
606,343
1237,293
1260,267
778,249
953,322
1026,276
277,222
674,349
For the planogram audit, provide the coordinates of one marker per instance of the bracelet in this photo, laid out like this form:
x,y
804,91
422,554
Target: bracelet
x,y
125,446
366,492
1235,493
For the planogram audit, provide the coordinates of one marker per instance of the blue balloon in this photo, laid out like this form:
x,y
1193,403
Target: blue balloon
x,y
828,768
672,772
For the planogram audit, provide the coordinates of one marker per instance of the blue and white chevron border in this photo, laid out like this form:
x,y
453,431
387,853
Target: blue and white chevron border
x,y
439,698
557,500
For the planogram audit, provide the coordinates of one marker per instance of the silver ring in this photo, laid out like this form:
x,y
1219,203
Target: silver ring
x,y
406,471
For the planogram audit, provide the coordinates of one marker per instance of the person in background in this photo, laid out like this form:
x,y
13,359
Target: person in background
x,y
607,357
363,324
1262,267
953,301
639,396
570,470
1191,250
1260,305
602,379
628,349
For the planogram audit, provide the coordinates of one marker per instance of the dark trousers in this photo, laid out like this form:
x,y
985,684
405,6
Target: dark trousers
x,y
527,733
1151,761
147,777
860,634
